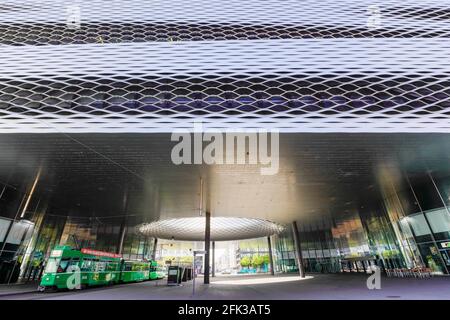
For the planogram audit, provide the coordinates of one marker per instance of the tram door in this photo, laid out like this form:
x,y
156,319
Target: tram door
x,y
446,255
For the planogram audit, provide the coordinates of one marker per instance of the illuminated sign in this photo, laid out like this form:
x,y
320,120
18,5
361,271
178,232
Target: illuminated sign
x,y
100,253
445,244
56,253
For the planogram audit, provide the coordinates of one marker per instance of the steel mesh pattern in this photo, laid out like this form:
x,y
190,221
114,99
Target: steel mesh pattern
x,y
101,21
222,229
153,66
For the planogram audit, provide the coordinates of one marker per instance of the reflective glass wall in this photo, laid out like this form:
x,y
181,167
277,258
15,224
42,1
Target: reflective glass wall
x,y
420,213
402,221
30,226
406,225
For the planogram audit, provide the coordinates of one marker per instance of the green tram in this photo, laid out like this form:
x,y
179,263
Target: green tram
x,y
134,271
156,272
95,268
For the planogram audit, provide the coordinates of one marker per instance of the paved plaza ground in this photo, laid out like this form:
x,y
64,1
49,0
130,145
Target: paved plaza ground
x,y
315,287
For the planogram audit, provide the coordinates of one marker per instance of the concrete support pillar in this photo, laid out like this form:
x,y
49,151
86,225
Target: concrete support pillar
x,y
298,249
207,246
30,194
155,244
123,225
123,230
213,263
272,269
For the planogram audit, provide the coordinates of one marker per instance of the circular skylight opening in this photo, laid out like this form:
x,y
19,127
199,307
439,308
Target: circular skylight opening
x,y
222,229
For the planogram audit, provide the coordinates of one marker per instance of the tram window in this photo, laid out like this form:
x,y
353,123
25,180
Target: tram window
x,y
86,265
63,265
128,266
52,265
136,267
73,263
111,266
100,266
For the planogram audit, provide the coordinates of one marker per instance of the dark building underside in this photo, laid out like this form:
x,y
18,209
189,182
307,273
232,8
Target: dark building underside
x,y
355,197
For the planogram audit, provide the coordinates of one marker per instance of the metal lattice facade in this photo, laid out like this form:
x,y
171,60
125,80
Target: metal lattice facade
x,y
154,66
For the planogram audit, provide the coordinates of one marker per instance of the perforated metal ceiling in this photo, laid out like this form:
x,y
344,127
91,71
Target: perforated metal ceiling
x,y
222,228
89,174
152,66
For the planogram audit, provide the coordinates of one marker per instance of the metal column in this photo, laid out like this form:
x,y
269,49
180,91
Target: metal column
x,y
155,244
123,230
207,246
269,242
213,262
123,225
298,248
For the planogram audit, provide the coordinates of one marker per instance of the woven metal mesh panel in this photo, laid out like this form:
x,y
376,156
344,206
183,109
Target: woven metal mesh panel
x,y
152,66
45,22
222,228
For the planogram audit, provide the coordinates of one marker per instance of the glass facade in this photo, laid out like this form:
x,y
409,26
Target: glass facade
x,y
402,221
407,226
252,256
28,232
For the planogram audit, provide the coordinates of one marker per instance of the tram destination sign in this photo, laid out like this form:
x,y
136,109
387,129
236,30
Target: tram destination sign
x,y
100,253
